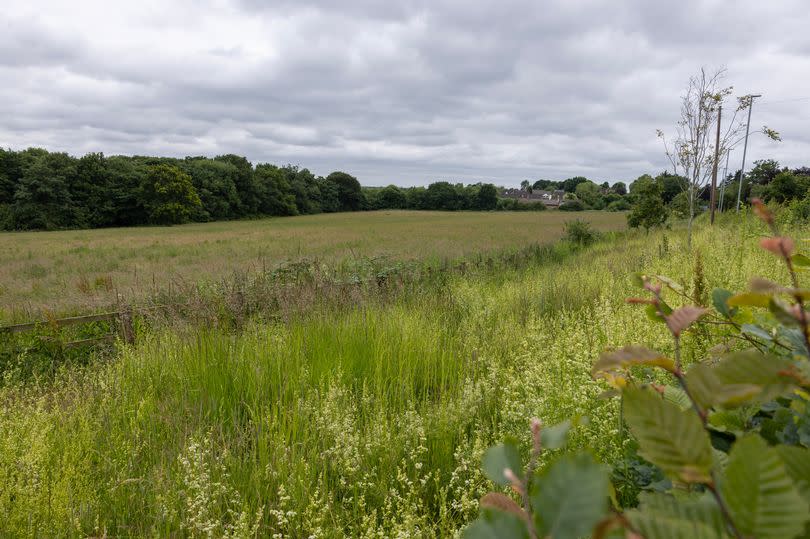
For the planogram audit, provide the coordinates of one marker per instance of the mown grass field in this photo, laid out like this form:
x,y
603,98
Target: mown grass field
x,y
84,269
364,421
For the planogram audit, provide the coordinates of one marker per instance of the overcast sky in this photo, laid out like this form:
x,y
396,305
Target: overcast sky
x,y
404,92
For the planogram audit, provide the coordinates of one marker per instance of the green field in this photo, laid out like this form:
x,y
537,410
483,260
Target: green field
x,y
86,269
367,420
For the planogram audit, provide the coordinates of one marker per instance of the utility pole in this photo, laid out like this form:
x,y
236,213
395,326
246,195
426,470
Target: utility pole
x,y
745,148
725,175
714,167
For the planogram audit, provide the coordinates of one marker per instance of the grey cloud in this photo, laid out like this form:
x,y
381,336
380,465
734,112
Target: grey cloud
x,y
403,92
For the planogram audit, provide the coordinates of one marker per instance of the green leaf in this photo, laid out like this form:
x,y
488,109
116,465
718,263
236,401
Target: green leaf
x,y
762,499
670,283
797,465
708,390
499,458
493,524
740,378
752,299
751,367
720,302
630,356
662,516
669,437
780,310
652,313
556,436
732,421
677,396
800,260
570,497
756,331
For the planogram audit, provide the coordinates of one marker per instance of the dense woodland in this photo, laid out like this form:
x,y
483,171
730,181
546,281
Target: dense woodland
x,y
41,190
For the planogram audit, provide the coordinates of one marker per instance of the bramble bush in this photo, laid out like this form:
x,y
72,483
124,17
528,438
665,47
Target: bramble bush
x,y
724,441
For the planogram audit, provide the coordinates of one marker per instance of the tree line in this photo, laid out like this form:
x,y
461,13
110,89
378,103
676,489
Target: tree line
x,y
41,190
52,190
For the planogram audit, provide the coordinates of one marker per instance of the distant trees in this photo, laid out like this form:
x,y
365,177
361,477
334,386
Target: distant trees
x,y
487,197
276,196
45,190
51,190
169,195
349,194
590,194
541,185
570,185
392,197
43,198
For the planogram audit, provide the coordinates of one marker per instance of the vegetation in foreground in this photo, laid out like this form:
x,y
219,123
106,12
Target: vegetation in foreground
x,y
84,269
729,437
368,421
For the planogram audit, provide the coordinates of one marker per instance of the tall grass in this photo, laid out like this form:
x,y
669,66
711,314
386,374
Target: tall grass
x,y
366,421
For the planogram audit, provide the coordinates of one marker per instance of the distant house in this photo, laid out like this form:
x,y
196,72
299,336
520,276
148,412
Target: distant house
x,y
550,198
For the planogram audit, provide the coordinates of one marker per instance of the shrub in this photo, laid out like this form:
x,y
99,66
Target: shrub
x,y
798,211
572,205
619,205
731,433
580,232
513,204
680,206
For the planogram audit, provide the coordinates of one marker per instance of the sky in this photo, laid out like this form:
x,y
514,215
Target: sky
x,y
405,92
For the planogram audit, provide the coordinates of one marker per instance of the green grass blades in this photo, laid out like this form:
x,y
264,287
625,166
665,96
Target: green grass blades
x,y
365,421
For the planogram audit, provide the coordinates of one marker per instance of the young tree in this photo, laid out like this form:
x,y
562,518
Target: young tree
x,y
692,151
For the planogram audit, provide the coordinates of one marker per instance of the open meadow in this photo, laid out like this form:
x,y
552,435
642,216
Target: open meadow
x,y
81,270
368,420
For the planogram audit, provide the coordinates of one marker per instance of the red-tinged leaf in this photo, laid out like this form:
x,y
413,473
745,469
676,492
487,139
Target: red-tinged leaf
x,y
778,245
760,285
640,301
502,502
762,211
682,318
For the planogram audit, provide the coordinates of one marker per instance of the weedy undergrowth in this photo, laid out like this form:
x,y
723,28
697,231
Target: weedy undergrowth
x,y
731,432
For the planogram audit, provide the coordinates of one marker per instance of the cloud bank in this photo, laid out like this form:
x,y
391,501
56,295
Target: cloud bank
x,y
397,92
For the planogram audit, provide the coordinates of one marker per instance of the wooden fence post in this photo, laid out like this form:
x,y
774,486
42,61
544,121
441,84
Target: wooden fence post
x,y
126,326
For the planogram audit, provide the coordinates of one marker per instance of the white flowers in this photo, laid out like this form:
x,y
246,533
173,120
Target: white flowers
x,y
212,507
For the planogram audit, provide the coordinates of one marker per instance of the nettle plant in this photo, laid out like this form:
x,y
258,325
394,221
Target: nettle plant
x,y
731,433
